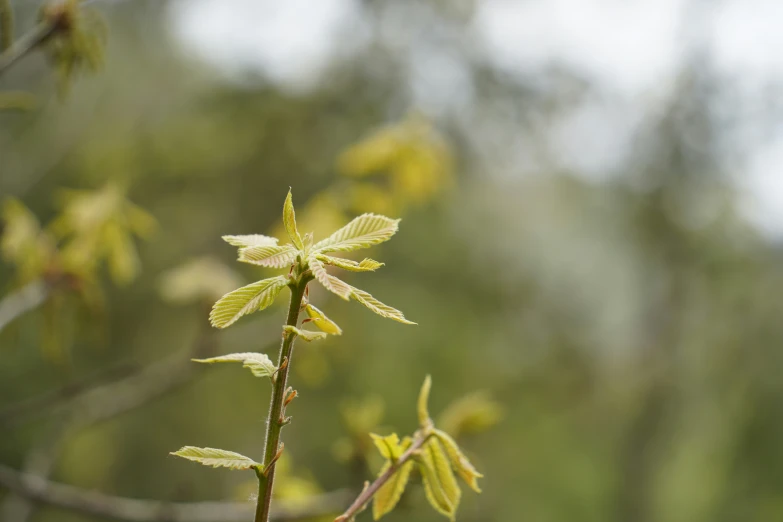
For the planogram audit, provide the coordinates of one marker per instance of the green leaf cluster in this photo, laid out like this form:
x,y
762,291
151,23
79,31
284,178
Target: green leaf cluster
x,y
302,256
438,459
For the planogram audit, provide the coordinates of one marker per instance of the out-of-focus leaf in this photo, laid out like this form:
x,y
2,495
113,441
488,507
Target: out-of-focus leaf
x,y
201,279
472,413
459,461
424,397
217,458
387,497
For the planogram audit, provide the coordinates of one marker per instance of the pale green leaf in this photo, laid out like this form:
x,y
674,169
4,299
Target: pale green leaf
x,y
459,461
272,256
251,240
442,466
329,282
424,397
306,335
389,446
258,363
323,323
217,458
246,300
363,232
365,265
433,489
388,495
289,220
378,307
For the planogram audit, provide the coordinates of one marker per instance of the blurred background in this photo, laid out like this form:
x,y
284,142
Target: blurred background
x,y
592,215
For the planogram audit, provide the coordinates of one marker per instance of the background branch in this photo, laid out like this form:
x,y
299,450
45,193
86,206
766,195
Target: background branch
x,y
27,298
63,496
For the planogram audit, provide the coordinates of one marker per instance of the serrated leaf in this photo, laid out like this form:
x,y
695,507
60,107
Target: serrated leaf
x,y
424,397
217,458
389,446
459,461
432,486
258,363
251,240
331,283
388,495
365,265
363,232
323,323
442,467
272,256
289,220
246,300
306,335
378,307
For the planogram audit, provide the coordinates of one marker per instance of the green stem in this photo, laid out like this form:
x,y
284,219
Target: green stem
x,y
276,419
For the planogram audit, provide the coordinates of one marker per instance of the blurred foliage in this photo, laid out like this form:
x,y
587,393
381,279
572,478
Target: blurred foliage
x,y
625,317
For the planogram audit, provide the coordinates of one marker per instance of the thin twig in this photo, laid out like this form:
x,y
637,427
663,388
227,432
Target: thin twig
x,y
26,43
27,298
128,509
366,495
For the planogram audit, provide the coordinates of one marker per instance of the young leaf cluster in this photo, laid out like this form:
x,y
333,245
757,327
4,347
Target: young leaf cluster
x,y
304,256
436,456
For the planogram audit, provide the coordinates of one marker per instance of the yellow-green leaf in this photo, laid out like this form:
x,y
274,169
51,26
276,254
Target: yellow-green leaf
x,y
442,466
323,323
378,307
433,489
272,256
424,397
217,458
306,335
363,232
252,240
289,220
246,300
331,283
389,446
388,495
365,265
459,461
258,363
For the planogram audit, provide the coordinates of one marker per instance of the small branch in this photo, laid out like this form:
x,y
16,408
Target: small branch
x,y
132,510
40,405
27,298
366,495
26,43
276,419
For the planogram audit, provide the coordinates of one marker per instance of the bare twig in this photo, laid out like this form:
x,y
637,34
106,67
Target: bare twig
x,y
26,43
23,300
122,508
366,495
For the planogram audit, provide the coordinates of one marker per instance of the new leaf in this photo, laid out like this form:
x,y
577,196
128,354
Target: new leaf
x,y
217,458
246,300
